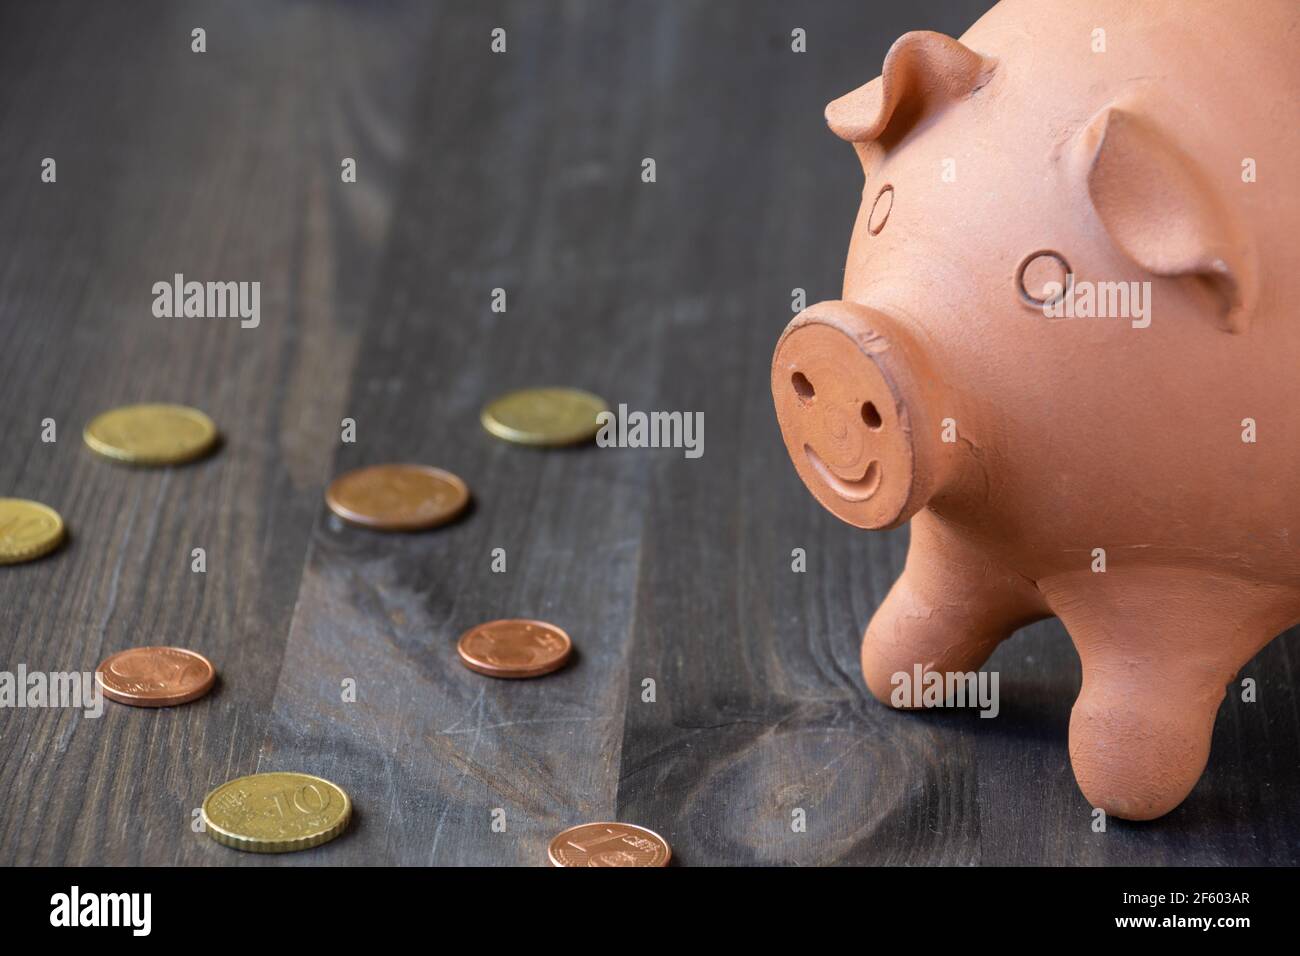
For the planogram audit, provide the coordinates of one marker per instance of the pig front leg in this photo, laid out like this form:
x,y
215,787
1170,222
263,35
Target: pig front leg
x,y
1158,648
948,610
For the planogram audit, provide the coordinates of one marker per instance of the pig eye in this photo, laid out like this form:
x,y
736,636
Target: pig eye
x,y
880,210
1038,269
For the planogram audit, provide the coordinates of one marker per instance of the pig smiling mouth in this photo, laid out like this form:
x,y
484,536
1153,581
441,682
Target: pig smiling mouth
x,y
851,489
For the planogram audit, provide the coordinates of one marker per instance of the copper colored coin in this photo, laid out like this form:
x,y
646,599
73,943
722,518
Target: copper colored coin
x,y
397,497
514,648
609,844
156,676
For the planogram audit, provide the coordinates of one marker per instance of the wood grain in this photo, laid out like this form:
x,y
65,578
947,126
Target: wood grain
x,y
477,171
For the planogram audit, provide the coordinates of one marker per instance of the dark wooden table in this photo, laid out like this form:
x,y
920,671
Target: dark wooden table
x,y
476,171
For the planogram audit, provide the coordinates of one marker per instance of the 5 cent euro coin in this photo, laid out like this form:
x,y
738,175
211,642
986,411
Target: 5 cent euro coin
x,y
397,497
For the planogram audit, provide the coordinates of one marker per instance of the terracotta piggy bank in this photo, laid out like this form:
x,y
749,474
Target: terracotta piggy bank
x,y
1068,352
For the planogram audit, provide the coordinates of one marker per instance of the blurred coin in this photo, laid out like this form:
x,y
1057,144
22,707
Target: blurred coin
x,y
28,530
397,497
514,648
545,416
156,676
276,812
152,434
609,844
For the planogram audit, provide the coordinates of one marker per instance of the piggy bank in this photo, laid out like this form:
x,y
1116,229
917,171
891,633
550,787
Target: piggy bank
x,y
1068,353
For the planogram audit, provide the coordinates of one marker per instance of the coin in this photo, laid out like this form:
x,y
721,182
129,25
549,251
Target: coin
x,y
276,812
397,497
514,648
545,416
156,676
609,844
152,434
28,530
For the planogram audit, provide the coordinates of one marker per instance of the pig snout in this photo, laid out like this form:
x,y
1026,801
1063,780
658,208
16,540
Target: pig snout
x,y
856,403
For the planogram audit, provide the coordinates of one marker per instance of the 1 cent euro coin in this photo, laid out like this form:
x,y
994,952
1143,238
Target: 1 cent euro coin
x,y
609,844
514,647
156,676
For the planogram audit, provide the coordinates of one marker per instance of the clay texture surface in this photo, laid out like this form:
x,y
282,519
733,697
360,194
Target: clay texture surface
x,y
1029,453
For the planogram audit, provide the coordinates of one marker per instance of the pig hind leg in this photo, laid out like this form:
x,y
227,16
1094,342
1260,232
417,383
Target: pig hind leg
x,y
1158,648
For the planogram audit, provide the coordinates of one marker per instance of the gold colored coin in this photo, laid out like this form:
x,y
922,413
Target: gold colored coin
x,y
28,530
609,844
152,434
276,812
545,416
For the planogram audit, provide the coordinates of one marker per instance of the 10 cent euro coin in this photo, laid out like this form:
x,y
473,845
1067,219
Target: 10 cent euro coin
x,y
28,530
276,812
545,416
152,434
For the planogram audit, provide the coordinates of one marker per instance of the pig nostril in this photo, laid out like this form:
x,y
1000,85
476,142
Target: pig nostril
x,y
802,387
871,416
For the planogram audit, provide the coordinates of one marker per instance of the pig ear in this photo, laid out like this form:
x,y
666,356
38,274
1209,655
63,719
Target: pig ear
x,y
922,71
1158,208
